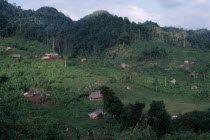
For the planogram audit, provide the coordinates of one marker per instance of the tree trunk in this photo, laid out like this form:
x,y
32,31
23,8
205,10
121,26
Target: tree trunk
x,y
53,45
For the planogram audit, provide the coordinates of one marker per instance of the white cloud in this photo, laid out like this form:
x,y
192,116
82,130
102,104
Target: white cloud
x,y
134,13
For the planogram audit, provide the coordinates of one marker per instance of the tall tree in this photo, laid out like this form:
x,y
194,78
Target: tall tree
x,y
159,119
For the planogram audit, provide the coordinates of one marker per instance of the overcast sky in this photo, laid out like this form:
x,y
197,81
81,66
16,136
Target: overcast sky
x,y
188,14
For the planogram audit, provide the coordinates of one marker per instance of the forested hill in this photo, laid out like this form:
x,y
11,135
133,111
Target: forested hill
x,y
94,33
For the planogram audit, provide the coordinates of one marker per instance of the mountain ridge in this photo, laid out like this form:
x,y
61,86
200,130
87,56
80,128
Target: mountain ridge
x,y
93,33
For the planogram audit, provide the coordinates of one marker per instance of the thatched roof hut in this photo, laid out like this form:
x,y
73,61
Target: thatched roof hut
x,y
52,54
125,66
29,93
8,49
16,56
194,87
187,69
154,64
95,96
169,69
189,63
94,115
186,62
45,57
83,60
194,75
180,66
173,81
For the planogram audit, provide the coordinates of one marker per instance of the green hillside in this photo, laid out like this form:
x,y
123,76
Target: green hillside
x,y
94,33
154,80
65,107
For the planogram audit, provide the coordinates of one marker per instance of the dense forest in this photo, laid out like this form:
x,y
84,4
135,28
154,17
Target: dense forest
x,y
154,81
93,33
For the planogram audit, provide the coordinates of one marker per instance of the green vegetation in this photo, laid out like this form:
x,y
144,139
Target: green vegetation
x,y
66,107
92,34
146,74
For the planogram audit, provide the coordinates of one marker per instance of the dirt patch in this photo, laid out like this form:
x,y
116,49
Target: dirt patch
x,y
34,99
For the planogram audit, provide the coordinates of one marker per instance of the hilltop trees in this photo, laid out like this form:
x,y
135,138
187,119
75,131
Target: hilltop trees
x,y
94,33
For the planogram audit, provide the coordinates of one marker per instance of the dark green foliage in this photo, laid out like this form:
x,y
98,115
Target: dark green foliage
x,y
150,23
3,79
188,136
197,121
172,29
159,119
199,38
20,121
106,92
132,115
146,134
112,104
101,30
32,47
202,96
154,53
3,22
150,50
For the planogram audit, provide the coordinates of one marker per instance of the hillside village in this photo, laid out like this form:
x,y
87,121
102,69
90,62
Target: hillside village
x,y
102,77
83,75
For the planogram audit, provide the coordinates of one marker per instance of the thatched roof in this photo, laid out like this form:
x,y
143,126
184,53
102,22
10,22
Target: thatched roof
x,y
173,81
169,69
187,68
16,55
8,48
125,66
154,64
96,113
95,95
194,87
189,62
52,54
83,60
45,58
195,75
180,66
28,93
186,62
